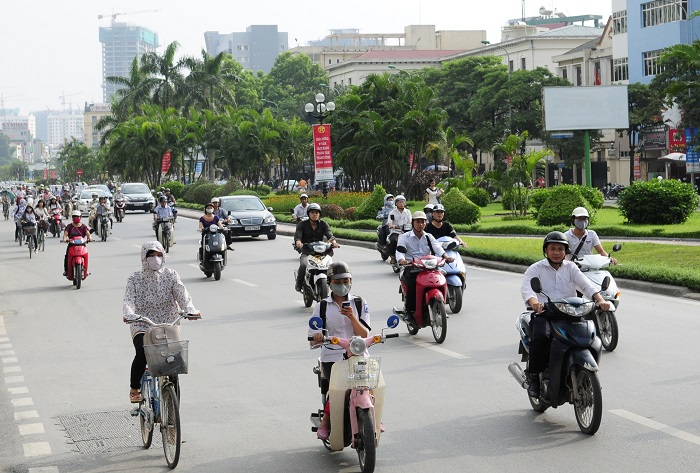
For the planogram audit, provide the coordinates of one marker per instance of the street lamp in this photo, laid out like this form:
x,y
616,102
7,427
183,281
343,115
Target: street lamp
x,y
322,108
510,107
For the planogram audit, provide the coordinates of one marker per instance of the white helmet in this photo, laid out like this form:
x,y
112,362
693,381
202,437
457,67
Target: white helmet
x,y
76,213
399,197
580,212
215,200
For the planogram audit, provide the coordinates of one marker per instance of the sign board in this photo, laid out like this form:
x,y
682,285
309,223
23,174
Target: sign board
x,y
323,154
676,141
692,155
198,167
585,108
637,166
562,134
165,163
653,137
79,172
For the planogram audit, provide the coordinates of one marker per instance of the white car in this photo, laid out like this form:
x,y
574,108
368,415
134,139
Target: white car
x,y
84,199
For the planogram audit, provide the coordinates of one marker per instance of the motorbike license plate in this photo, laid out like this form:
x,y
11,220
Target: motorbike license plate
x,y
250,229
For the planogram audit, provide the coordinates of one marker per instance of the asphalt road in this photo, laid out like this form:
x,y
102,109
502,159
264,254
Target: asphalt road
x,y
246,401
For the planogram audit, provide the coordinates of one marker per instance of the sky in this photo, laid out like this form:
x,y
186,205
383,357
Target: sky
x,y
50,48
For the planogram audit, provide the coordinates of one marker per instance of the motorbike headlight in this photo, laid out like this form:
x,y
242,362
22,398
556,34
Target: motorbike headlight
x,y
319,247
270,219
357,346
430,263
213,228
573,310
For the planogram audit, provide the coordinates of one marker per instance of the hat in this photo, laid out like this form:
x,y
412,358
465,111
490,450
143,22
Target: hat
x,y
417,215
303,196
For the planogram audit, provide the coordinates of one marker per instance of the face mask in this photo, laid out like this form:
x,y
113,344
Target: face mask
x,y
155,262
390,203
209,211
30,211
341,290
581,224
76,219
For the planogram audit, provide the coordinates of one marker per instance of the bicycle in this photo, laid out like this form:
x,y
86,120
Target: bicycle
x,y
41,236
160,403
29,231
6,210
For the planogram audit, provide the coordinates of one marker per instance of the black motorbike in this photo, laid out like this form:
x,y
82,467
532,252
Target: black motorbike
x,y
383,245
103,222
212,252
572,374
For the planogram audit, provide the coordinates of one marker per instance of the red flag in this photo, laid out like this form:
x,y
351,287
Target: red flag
x,y
166,162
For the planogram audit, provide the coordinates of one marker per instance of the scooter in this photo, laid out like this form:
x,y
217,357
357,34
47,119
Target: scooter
x,y
164,232
67,207
605,322
212,256
172,206
103,221
119,209
383,248
56,224
319,261
355,395
572,374
77,261
431,293
455,273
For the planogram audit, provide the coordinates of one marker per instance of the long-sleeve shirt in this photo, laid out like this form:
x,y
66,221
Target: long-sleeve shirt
x,y
400,217
418,246
164,213
556,283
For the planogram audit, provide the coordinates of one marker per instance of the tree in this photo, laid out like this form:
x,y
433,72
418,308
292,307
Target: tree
x,y
644,109
210,84
168,84
293,81
5,150
75,155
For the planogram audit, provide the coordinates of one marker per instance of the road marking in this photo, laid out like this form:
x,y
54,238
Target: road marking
x,y
31,429
22,402
245,283
12,359
6,345
12,369
26,415
137,246
437,348
22,390
7,352
43,469
652,424
36,449
4,339
14,379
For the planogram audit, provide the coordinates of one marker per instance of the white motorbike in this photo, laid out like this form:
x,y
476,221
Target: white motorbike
x,y
592,266
455,273
319,261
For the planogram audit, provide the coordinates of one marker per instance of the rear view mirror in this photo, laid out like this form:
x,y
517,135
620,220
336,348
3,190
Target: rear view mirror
x,y
605,284
617,247
536,285
392,321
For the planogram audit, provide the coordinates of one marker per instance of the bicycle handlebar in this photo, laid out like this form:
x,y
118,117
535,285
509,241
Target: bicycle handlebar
x,y
181,315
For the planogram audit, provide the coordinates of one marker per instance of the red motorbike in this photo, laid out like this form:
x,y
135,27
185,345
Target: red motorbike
x,y
56,224
431,294
77,260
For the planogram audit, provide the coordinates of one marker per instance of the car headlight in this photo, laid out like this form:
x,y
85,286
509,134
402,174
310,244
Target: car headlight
x,y
232,221
270,219
127,198
575,311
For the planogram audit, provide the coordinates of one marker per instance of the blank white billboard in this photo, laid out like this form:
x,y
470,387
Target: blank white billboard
x,y
585,108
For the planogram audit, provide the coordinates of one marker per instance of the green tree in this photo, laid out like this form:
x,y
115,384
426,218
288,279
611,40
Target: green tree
x,y
293,81
210,83
5,150
644,109
168,81
75,155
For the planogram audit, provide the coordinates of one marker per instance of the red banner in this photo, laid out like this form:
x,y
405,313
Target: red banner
x,y
637,166
45,173
676,141
166,162
53,174
323,154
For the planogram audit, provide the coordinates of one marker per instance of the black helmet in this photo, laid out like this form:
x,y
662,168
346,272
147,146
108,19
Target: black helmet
x,y
556,237
162,198
339,270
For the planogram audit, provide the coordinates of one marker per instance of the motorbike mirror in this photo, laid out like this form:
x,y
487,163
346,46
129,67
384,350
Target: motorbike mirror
x,y
229,213
392,321
316,323
270,209
536,285
605,284
402,249
617,247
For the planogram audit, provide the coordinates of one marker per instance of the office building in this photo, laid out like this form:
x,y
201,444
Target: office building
x,y
256,49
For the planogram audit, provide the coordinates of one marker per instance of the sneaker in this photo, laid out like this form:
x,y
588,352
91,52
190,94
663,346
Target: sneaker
x,y
65,274
230,248
323,433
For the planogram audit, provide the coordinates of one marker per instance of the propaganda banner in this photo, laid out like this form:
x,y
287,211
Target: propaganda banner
x,y
323,154
165,163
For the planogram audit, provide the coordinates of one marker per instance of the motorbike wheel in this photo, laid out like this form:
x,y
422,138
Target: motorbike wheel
x,y
537,404
308,300
366,447
77,275
438,320
589,409
608,330
217,271
166,243
103,233
454,298
322,289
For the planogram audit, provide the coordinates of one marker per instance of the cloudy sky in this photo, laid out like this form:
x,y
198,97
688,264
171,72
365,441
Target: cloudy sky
x,y
50,48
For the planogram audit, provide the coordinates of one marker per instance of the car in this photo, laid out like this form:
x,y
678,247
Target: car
x,y
137,196
289,185
103,188
248,216
82,202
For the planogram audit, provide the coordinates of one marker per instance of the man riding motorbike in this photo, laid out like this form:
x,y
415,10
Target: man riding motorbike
x,y
439,227
301,208
102,208
383,216
309,231
398,217
582,240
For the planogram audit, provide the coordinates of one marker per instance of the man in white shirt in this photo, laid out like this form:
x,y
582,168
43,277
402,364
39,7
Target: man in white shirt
x,y
301,208
398,217
560,278
582,241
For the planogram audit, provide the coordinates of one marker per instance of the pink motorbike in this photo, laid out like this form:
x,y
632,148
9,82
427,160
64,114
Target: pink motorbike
x,y
355,395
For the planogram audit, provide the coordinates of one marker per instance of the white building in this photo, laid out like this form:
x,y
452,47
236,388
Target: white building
x,y
64,126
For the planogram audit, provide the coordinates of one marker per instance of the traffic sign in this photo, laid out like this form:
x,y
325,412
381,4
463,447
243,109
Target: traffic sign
x,y
79,172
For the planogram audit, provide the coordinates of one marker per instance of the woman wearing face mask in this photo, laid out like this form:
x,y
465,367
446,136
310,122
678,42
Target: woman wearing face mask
x,y
155,292
29,220
344,315
581,240
74,229
209,218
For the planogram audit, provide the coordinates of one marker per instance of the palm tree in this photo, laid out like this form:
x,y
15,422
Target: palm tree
x,y
210,82
169,83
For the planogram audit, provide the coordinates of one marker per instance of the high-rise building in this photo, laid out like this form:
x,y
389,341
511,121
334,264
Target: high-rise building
x,y
64,126
121,43
255,49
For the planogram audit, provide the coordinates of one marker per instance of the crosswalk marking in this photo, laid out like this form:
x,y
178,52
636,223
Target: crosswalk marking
x,y
31,429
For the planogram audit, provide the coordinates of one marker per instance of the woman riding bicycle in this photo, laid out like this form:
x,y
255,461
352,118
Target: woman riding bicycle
x,y
27,220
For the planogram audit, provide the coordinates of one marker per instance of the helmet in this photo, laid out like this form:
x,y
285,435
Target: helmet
x,y
94,194
53,198
428,208
438,208
556,237
76,213
162,198
339,270
417,215
119,188
314,206
399,197
580,212
167,189
214,200
303,196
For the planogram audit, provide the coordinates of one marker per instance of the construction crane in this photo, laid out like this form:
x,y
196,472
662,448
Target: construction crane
x,y
115,15
63,100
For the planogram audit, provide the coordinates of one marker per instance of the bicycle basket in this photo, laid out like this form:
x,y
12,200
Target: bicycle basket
x,y
167,359
28,229
364,372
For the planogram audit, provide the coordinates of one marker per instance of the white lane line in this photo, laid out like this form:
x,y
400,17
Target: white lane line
x,y
11,359
6,352
36,449
652,424
137,246
245,283
12,369
14,379
31,429
26,415
22,390
43,469
4,339
22,402
6,345
437,348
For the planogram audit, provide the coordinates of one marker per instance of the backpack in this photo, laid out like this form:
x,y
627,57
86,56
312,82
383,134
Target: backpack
x,y
324,303
162,334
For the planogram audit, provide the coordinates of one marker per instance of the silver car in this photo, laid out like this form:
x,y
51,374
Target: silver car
x,y
84,199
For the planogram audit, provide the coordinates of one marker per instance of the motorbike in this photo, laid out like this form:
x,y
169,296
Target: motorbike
x,y
172,206
77,261
383,248
455,273
356,395
103,222
56,223
572,374
612,190
319,261
119,209
212,256
164,232
67,207
431,293
605,322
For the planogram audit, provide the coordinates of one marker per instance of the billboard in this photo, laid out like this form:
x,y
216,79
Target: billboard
x,y
323,154
585,108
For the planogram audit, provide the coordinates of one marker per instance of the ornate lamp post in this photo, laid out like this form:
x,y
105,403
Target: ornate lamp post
x,y
322,108
323,157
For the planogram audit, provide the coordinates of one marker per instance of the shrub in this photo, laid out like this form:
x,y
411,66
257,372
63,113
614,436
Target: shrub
x,y
557,209
369,208
176,188
511,200
459,209
350,213
537,198
263,189
188,193
658,202
245,192
333,211
227,189
593,196
478,195
203,193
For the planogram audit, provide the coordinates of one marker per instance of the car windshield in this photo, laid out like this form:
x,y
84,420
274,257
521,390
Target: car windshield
x,y
135,189
243,204
87,194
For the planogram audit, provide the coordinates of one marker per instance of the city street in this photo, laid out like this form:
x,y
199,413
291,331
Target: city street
x,y
66,354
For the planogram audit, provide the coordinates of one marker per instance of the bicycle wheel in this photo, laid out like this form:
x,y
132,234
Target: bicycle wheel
x,y
170,425
42,239
30,245
146,413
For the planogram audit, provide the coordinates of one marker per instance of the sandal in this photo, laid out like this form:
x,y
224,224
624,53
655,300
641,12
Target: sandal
x,y
323,433
135,397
